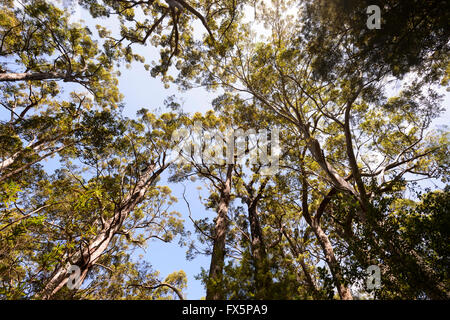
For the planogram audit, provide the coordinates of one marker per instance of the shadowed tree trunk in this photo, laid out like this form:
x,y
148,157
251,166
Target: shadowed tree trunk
x,y
259,255
214,289
11,77
258,249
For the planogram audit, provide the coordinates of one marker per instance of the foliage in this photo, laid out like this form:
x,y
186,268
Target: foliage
x,y
354,108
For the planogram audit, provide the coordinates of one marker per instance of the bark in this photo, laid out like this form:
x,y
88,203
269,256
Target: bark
x,y
259,255
324,241
198,15
162,284
11,77
28,165
338,182
353,163
257,244
89,255
333,264
31,149
214,289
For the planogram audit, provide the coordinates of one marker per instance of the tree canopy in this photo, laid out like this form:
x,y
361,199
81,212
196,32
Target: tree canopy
x,y
319,156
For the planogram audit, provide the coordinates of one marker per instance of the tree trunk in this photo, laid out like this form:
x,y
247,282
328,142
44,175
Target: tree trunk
x,y
11,77
214,290
85,261
32,149
259,256
333,264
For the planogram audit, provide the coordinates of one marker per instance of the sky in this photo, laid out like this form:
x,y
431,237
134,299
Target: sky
x,y
142,91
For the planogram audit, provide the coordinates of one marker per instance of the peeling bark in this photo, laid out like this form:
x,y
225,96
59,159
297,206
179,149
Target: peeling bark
x,y
259,254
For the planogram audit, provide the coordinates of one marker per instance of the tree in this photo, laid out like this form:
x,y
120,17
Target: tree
x,y
40,50
144,22
38,44
203,157
300,218
340,120
413,38
88,210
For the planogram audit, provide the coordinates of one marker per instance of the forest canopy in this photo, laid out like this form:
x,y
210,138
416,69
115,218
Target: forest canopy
x,y
319,158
